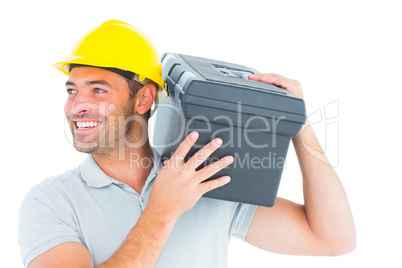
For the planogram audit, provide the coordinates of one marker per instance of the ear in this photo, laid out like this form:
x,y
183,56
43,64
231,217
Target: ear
x,y
145,98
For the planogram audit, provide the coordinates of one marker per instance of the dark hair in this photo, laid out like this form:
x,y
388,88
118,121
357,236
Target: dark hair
x,y
133,86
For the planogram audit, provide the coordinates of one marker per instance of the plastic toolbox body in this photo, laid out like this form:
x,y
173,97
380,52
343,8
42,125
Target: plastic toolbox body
x,y
255,120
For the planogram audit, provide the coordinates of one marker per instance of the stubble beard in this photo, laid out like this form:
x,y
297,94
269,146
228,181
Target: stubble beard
x,y
113,130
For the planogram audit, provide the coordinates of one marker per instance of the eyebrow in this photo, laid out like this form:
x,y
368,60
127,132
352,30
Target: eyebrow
x,y
93,82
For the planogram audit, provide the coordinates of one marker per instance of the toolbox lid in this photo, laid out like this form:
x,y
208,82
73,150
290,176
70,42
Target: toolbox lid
x,y
211,87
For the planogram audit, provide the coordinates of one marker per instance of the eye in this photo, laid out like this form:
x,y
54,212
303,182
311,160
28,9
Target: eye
x,y
99,90
71,91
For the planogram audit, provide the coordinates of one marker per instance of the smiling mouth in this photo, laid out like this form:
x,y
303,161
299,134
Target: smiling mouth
x,y
86,124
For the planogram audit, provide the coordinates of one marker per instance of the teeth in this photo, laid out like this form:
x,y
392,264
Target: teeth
x,y
83,125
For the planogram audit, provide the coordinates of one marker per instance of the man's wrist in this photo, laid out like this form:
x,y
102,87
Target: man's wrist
x,y
161,216
297,140
145,242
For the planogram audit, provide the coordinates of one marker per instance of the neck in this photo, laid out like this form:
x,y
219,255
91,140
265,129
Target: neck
x,y
133,169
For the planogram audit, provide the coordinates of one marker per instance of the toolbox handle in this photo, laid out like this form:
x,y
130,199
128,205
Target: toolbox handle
x,y
231,72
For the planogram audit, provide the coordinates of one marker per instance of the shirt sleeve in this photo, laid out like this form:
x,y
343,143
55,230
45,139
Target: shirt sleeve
x,y
241,220
43,224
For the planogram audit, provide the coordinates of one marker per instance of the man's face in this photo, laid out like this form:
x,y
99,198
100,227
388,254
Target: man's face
x,y
97,107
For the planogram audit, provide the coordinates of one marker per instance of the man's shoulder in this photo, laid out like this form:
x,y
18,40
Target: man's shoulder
x,y
68,176
58,183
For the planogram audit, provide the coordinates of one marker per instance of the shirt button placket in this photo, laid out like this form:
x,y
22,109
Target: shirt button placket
x,y
142,203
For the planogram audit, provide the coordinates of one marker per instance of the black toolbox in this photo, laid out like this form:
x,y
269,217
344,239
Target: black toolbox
x,y
255,120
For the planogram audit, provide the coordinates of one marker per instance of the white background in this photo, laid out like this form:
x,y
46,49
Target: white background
x,y
347,53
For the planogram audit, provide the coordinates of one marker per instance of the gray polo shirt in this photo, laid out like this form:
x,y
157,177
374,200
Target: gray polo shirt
x,y
87,206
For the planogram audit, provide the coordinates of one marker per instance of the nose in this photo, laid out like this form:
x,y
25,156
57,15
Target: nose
x,y
83,103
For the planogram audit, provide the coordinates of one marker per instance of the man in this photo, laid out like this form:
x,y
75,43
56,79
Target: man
x,y
111,212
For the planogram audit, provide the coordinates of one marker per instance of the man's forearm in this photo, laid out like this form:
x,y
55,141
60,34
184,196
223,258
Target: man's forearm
x,y
144,243
326,205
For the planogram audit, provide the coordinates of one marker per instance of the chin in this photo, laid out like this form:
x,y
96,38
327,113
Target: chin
x,y
86,150
89,148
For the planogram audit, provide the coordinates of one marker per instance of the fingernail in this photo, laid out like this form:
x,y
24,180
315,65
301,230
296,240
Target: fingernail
x,y
226,179
194,134
217,142
228,159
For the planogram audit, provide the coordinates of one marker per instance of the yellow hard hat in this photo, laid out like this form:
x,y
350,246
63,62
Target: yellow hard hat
x,y
116,44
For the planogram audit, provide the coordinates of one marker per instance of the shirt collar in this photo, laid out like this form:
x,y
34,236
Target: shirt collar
x,y
94,176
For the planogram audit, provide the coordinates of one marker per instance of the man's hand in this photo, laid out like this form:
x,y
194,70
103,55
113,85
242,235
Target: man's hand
x,y
293,86
179,186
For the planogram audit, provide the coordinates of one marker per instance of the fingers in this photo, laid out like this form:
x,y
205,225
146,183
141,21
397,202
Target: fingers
x,y
213,168
258,77
213,184
293,86
184,147
187,173
270,78
199,157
